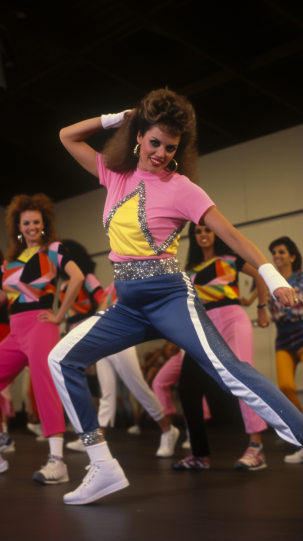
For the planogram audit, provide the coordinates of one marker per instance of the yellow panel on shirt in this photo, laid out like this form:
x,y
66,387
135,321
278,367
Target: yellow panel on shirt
x,y
126,237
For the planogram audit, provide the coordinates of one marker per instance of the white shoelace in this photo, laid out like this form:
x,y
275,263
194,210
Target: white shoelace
x,y
92,471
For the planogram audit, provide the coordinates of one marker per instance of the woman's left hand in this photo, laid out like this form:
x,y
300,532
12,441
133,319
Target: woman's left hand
x,y
263,317
48,316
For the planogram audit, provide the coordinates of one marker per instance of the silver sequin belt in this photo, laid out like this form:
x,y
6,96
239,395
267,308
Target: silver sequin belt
x,y
145,268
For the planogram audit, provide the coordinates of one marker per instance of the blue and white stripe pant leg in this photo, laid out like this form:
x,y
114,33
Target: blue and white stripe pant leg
x,y
166,307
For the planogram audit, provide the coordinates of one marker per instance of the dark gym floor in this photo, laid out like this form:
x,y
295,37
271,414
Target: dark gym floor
x,y
160,504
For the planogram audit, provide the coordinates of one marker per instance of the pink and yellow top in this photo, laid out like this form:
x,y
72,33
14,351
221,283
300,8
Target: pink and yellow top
x,y
144,213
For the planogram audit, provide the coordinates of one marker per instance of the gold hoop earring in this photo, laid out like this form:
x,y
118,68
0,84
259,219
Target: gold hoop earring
x,y
176,166
137,150
42,233
20,238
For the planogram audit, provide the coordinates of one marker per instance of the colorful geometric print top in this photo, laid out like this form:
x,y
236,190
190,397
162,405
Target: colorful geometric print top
x,y
216,281
30,281
89,297
144,213
291,317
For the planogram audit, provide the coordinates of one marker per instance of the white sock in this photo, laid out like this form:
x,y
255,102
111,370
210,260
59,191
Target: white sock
x,y
99,452
56,446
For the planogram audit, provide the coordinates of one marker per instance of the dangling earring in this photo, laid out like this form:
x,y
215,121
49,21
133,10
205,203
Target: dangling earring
x,y
20,238
42,233
137,151
176,166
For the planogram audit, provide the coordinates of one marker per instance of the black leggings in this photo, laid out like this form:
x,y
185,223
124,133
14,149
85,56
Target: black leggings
x,y
193,385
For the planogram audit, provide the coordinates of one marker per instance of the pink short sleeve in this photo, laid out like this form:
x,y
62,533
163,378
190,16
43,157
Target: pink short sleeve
x,y
191,201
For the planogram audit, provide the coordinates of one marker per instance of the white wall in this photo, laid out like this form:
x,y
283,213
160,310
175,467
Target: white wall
x,y
257,179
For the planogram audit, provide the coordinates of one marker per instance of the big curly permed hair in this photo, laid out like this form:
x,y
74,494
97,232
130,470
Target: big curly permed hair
x,y
22,203
171,113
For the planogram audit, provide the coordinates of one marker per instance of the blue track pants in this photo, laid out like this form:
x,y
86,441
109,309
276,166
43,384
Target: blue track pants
x,y
163,307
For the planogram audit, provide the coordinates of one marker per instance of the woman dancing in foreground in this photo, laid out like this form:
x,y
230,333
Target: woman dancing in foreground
x,y
146,208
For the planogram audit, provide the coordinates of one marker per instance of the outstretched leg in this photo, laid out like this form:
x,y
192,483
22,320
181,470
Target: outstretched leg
x,y
100,336
182,320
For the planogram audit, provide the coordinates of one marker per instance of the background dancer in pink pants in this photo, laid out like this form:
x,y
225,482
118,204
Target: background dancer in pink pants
x,y
28,277
147,206
167,377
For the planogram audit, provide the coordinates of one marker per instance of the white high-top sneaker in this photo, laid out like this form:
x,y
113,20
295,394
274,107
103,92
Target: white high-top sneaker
x,y
102,478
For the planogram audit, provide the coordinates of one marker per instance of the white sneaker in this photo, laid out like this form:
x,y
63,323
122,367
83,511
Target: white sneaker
x,y
3,466
6,444
186,444
76,445
134,430
102,478
54,472
35,428
168,442
296,458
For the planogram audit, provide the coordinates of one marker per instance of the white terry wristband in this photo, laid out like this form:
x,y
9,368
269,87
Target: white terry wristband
x,y
272,278
113,121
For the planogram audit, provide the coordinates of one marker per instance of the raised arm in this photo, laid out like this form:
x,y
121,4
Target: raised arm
x,y
250,253
73,138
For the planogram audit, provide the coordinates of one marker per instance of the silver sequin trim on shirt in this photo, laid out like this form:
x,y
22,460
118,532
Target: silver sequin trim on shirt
x,y
146,268
89,438
142,220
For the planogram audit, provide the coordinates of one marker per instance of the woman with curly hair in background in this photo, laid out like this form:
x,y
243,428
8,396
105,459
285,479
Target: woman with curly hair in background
x,y
28,277
147,206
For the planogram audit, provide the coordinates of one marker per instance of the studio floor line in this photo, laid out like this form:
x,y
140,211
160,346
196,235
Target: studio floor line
x,y
160,504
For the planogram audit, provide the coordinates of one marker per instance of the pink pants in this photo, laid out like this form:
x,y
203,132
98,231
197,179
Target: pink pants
x,y
235,327
168,376
30,342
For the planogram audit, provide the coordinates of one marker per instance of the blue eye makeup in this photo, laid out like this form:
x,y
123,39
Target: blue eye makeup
x,y
170,149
